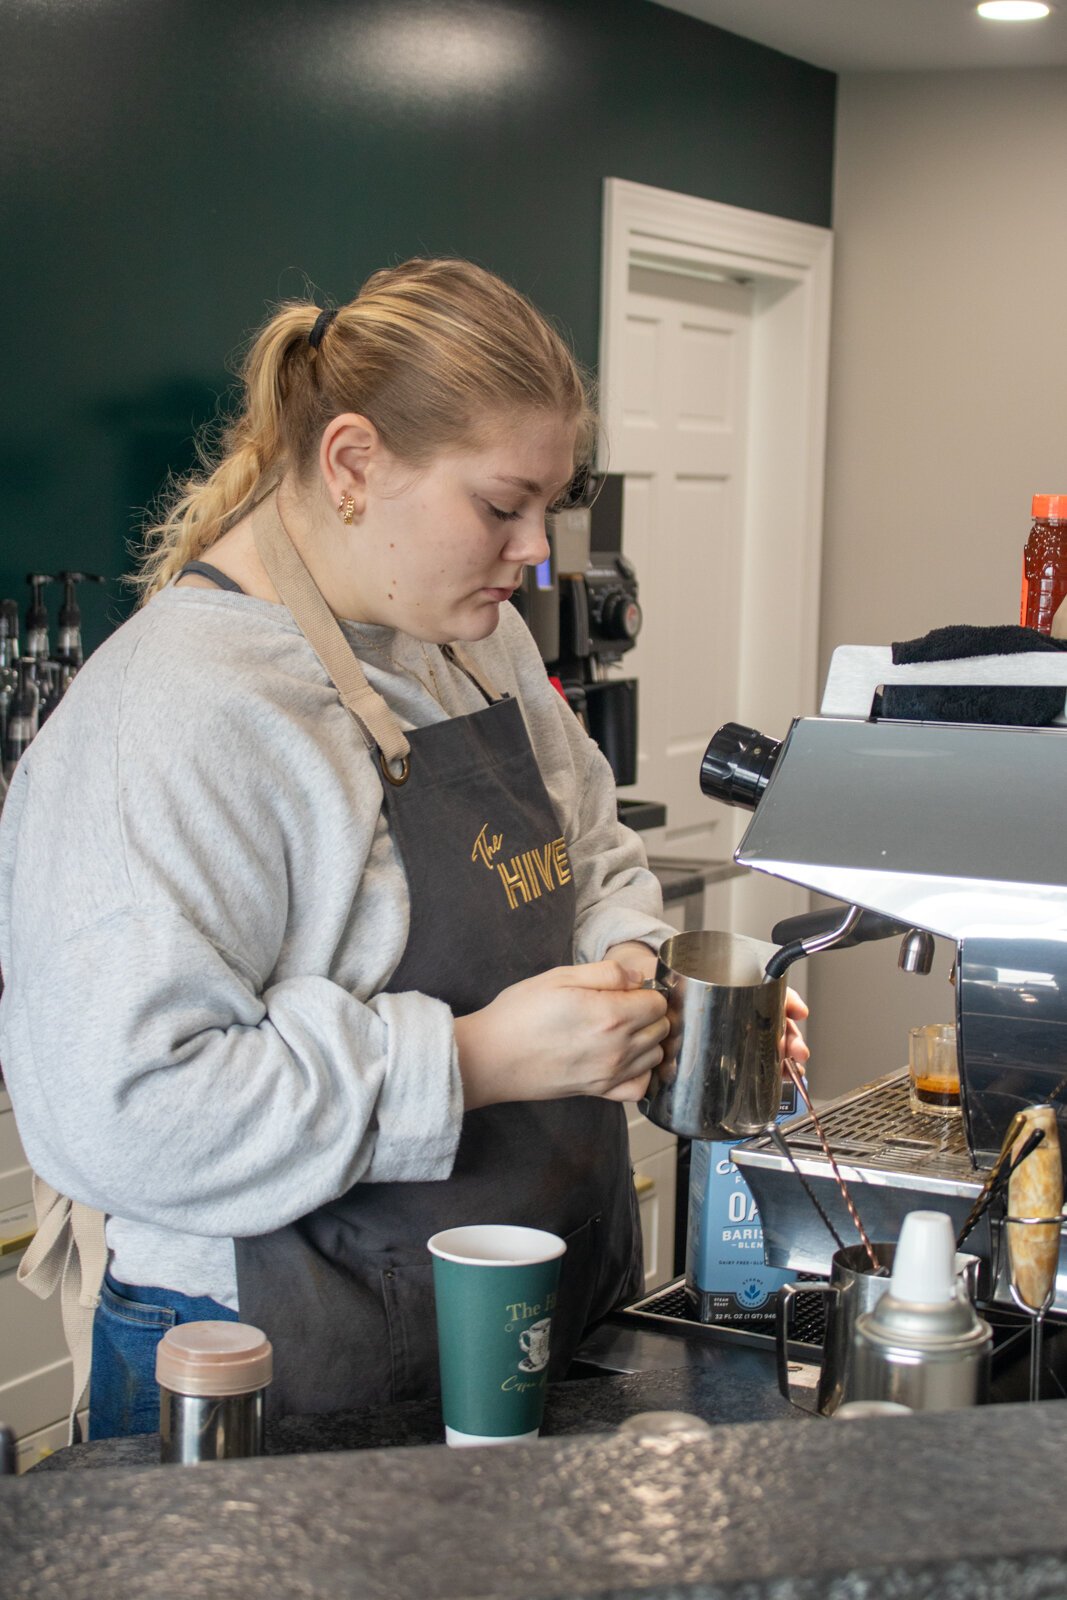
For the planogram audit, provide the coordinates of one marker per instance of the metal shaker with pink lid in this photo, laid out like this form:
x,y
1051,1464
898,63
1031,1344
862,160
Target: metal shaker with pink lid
x,y
212,1380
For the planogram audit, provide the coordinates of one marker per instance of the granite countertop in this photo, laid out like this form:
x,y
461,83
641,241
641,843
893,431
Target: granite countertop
x,y
717,1382
961,1506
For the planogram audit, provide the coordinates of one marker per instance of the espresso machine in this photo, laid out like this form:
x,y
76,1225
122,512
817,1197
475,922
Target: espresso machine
x,y
582,608
928,828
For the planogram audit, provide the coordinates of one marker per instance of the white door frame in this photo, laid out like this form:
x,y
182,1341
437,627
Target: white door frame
x,y
789,265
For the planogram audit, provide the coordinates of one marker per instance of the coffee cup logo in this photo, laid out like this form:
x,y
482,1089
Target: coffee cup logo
x,y
534,1341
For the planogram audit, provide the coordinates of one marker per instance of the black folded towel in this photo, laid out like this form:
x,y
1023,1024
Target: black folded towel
x,y
1019,705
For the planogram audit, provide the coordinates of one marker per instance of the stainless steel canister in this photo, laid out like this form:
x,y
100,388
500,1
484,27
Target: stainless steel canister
x,y
721,1075
852,1292
212,1380
928,1357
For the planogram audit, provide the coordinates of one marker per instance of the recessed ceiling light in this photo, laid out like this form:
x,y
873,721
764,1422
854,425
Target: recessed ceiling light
x,y
1013,10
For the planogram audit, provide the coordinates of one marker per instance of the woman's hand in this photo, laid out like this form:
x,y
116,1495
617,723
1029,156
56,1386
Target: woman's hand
x,y
589,1029
795,1012
635,956
641,959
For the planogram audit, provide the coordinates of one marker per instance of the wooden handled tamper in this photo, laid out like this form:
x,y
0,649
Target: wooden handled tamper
x,y
1035,1202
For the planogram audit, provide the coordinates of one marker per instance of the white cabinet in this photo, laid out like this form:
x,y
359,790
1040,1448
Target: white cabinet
x,y
654,1155
35,1372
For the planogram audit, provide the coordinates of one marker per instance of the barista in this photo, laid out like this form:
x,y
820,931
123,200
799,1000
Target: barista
x,y
343,944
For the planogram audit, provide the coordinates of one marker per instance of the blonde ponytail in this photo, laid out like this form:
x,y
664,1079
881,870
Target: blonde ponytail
x,y
251,452
438,354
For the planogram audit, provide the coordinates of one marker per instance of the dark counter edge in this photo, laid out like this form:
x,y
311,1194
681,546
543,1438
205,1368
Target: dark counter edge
x,y
963,1504
641,815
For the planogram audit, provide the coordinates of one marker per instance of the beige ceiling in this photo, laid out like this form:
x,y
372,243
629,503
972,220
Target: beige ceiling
x,y
888,35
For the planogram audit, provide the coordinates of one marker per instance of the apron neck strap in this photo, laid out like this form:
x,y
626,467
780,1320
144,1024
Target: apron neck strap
x,y
462,660
298,591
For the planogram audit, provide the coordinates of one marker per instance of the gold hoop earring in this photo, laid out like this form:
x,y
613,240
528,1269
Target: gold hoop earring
x,y
346,507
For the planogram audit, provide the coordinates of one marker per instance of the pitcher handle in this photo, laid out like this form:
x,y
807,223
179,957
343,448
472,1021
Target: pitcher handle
x,y
786,1295
661,988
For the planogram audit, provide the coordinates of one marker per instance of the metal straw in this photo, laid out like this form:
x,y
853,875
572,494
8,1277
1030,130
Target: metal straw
x,y
999,1177
798,1078
780,1144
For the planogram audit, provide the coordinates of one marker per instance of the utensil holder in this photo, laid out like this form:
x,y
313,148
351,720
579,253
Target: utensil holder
x,y
1036,1316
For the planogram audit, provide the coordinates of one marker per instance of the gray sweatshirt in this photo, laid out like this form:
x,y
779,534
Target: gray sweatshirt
x,y
200,907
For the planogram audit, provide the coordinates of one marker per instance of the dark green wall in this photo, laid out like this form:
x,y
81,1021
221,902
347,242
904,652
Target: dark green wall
x,y
171,166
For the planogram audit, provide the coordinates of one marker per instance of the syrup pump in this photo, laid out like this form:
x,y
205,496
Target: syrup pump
x,y
37,644
69,652
32,684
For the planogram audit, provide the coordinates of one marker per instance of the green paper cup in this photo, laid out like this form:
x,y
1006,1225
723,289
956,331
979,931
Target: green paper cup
x,y
495,1288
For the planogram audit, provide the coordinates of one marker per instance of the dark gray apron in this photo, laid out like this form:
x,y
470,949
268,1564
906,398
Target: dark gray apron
x,y
345,1294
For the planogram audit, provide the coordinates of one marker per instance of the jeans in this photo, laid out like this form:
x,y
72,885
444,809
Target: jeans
x,y
127,1327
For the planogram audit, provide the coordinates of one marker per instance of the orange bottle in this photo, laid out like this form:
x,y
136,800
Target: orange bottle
x,y
1045,562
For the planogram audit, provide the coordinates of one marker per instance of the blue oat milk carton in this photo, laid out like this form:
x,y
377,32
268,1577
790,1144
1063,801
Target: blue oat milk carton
x,y
726,1279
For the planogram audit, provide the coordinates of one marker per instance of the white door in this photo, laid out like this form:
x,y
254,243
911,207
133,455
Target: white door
x,y
714,354
680,435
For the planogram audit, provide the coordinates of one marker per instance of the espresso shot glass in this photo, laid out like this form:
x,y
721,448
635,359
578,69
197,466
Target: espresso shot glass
x,y
933,1070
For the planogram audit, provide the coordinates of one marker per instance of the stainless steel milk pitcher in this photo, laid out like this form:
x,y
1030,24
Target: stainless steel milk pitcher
x,y
852,1290
720,1077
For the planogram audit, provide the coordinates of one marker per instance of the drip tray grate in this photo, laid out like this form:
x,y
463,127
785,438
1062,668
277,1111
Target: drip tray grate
x,y
875,1127
671,1308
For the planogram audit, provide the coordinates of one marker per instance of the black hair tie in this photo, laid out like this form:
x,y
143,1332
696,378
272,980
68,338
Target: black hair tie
x,y
318,332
